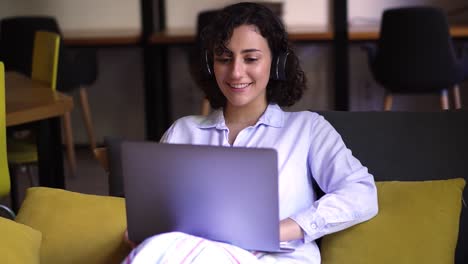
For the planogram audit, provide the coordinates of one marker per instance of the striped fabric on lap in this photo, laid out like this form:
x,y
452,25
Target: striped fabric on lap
x,y
181,248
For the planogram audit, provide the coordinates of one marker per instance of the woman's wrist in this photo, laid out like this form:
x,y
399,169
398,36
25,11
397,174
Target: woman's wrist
x,y
290,230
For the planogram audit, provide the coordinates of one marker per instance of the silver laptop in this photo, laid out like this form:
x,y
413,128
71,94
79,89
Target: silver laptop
x,y
220,193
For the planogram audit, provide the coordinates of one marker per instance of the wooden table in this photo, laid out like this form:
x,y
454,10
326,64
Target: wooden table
x,y
32,102
187,36
297,33
371,32
102,37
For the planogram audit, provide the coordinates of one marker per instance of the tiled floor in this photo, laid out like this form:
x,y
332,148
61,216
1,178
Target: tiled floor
x,y
89,178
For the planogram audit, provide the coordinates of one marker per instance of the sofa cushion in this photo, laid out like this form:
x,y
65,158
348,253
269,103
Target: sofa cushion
x,y
417,223
18,243
76,228
410,146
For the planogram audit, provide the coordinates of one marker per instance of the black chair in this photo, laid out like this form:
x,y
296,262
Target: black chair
x,y
415,55
77,68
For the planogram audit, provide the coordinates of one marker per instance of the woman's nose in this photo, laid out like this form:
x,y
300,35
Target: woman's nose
x,y
237,68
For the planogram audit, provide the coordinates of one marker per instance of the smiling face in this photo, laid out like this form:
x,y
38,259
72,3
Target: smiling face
x,y
243,70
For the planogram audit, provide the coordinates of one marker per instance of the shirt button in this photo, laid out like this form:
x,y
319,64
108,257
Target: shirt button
x,y
313,226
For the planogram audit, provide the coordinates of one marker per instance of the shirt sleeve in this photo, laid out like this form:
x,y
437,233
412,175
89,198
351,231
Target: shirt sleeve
x,y
167,135
171,134
350,192
181,131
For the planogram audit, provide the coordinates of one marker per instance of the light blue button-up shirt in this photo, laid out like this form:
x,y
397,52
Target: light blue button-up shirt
x,y
309,149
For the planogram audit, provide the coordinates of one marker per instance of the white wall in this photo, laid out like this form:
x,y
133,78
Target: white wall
x,y
364,11
183,13
7,7
79,14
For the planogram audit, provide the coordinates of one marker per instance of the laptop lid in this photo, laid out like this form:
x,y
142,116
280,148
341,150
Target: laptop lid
x,y
220,193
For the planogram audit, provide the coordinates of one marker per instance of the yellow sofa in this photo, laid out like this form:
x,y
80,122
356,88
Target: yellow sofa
x,y
59,226
415,157
70,227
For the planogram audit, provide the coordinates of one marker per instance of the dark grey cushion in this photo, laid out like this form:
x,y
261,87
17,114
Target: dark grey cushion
x,y
115,165
410,146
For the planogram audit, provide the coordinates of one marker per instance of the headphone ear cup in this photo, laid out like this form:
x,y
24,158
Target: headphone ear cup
x,y
278,67
207,64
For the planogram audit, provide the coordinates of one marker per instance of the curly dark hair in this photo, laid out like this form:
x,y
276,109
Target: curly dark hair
x,y
218,32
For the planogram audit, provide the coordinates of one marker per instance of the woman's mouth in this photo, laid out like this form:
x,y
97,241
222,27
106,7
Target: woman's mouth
x,y
239,85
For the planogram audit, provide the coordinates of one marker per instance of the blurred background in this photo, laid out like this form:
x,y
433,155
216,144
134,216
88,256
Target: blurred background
x,y
117,97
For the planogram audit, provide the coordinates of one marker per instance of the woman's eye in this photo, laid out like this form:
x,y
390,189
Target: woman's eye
x,y
223,60
250,60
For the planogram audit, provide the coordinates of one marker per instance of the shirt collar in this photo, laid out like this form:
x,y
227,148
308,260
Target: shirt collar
x,y
273,116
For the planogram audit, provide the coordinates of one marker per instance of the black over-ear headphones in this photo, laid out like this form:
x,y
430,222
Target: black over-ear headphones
x,y
278,62
278,67
277,71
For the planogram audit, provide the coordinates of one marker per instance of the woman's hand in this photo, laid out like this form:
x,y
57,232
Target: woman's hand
x,y
128,241
290,230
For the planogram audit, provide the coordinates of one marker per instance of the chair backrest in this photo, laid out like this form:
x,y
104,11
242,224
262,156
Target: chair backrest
x,y
415,51
17,40
4,173
76,67
45,57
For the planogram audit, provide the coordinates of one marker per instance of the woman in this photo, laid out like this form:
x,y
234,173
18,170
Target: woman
x,y
251,71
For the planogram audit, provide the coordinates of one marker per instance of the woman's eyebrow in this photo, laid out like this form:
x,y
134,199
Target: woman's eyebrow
x,y
223,52
230,53
250,50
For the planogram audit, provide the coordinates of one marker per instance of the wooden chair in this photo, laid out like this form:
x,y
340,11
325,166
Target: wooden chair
x,y
23,150
101,156
5,184
77,68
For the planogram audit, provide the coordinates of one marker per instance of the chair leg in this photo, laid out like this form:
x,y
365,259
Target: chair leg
x,y
87,117
101,155
69,142
13,188
205,110
444,100
456,96
30,172
388,101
